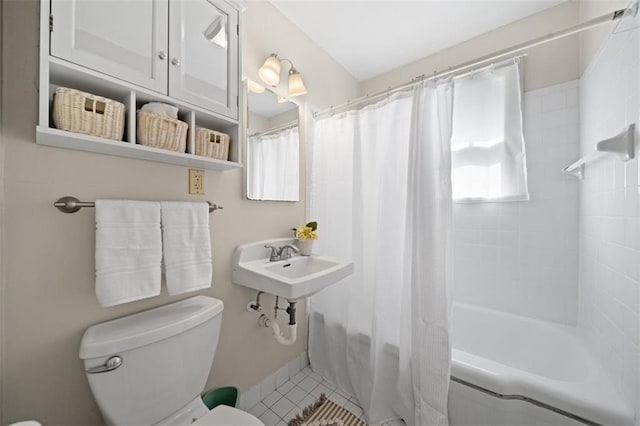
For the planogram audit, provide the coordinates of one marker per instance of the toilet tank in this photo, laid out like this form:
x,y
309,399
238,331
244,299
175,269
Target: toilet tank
x,y
166,354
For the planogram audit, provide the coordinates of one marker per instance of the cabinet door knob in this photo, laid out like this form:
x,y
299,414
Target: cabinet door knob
x,y
175,61
162,55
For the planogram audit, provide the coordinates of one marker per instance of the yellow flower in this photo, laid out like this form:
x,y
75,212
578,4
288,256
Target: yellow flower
x,y
305,233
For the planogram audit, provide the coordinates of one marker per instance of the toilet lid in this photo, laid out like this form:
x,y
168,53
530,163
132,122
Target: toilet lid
x,y
228,416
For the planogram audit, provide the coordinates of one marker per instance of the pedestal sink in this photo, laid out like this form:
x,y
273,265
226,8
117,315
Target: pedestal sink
x,y
294,278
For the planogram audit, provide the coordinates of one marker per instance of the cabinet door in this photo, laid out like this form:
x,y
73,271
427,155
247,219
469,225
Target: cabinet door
x,y
122,38
203,42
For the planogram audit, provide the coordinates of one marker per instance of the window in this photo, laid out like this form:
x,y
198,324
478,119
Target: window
x,y
488,161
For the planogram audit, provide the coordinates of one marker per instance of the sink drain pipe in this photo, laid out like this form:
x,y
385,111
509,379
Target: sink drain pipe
x,y
275,327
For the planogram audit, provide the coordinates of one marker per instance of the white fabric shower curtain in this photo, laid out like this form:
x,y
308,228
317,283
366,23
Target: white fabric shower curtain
x,y
272,166
381,193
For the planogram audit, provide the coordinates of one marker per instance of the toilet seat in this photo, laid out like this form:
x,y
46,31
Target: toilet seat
x,y
228,416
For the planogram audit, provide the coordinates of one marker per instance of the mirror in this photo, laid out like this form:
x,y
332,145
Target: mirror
x,y
272,146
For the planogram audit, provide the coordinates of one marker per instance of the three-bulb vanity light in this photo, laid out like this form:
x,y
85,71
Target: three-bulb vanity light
x,y
269,72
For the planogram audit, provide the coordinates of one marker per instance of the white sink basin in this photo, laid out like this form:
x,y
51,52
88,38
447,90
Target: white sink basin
x,y
295,278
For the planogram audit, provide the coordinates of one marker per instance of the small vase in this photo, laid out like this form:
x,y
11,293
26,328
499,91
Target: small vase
x,y
305,247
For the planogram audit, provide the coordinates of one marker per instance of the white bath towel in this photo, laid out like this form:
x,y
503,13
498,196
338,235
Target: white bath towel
x,y
128,251
186,245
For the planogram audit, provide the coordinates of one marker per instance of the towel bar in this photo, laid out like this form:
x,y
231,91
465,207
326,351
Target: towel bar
x,y
72,204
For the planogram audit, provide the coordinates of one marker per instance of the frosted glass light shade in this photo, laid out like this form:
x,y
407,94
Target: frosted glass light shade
x,y
296,85
269,72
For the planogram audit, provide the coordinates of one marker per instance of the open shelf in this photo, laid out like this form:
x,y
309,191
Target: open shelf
x,y
63,139
56,72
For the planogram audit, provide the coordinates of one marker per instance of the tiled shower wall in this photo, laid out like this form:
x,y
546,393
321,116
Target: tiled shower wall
x,y
609,215
522,257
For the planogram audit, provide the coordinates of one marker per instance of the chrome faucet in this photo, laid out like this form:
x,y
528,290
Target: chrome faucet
x,y
285,251
275,253
281,253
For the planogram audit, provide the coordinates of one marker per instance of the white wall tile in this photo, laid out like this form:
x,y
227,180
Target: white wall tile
x,y
523,257
294,366
609,267
250,398
267,386
554,101
282,375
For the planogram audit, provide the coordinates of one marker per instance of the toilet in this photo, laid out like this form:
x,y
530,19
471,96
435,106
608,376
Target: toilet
x,y
150,368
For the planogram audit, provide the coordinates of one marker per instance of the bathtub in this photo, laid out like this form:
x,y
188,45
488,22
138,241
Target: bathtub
x,y
509,370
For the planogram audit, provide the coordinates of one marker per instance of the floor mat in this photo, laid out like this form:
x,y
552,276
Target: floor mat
x,y
324,412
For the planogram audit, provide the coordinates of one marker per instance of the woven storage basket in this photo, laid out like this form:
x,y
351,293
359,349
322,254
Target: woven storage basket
x,y
82,112
160,131
212,144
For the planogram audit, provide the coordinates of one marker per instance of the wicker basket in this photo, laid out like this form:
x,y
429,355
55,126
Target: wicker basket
x,y
212,144
81,112
160,131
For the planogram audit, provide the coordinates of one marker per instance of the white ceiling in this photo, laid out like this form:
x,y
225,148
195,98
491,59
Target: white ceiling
x,y
371,37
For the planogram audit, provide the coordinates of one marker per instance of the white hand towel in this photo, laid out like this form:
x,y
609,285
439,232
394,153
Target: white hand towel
x,y
128,251
186,245
167,110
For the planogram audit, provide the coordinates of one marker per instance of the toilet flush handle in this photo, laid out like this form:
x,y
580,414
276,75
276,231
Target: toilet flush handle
x,y
111,364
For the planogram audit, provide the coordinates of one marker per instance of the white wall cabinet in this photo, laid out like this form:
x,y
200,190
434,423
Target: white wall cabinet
x,y
186,49
204,71
182,52
124,39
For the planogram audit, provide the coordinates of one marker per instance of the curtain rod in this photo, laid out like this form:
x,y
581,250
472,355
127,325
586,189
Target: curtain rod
x,y
286,126
483,60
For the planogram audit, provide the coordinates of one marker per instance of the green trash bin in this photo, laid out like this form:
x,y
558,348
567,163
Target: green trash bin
x,y
228,395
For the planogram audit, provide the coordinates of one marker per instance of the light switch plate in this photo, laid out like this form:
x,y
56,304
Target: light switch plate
x,y
196,182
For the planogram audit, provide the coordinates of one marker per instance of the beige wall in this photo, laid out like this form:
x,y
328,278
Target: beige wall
x,y
267,31
284,118
257,123
553,63
47,287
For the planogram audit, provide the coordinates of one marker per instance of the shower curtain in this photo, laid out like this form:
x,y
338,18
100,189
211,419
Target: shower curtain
x,y
381,193
272,166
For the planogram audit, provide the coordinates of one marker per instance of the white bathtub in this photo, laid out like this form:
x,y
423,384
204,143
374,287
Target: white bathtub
x,y
516,357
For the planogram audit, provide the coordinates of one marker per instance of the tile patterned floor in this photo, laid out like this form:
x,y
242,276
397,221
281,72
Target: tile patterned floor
x,y
290,398
281,405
